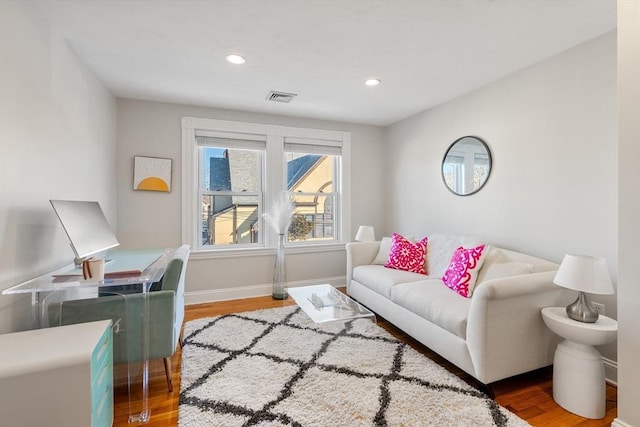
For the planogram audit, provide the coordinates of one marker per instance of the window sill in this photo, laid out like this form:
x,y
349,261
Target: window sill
x,y
262,251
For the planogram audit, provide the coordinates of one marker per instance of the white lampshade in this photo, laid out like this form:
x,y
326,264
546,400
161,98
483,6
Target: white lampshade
x,y
365,234
584,273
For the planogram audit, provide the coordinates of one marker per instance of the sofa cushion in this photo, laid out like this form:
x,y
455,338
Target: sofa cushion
x,y
406,255
381,279
463,269
435,302
498,265
504,269
539,265
441,249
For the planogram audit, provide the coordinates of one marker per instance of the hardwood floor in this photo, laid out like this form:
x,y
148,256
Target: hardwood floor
x,y
529,395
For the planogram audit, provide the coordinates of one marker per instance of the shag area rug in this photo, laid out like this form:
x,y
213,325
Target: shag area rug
x,y
276,367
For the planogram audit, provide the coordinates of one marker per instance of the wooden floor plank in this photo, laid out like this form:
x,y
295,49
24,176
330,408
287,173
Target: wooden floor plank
x,y
529,395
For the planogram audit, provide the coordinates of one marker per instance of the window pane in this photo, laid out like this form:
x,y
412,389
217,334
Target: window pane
x,y
453,174
229,220
310,179
225,169
231,217
309,173
313,218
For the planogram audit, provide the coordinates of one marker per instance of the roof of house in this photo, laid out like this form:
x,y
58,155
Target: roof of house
x,y
298,168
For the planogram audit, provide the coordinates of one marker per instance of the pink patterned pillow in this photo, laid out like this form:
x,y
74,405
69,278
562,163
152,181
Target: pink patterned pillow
x,y
463,270
406,255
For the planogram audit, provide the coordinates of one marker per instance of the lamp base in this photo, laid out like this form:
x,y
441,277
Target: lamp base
x,y
582,310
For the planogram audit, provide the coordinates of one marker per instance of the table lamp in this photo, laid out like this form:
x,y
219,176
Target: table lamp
x,y
365,234
585,274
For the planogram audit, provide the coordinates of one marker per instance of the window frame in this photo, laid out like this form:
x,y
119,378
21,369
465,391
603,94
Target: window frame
x,y
273,182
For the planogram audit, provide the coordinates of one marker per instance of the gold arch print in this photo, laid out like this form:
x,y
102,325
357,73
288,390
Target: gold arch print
x,y
151,174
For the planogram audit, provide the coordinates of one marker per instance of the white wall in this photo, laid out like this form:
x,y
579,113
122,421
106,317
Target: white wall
x,y
57,140
552,131
629,212
150,219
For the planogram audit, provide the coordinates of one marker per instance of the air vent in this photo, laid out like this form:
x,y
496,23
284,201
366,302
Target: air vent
x,y
280,96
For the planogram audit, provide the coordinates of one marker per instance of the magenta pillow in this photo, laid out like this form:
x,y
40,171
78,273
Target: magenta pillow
x,y
463,269
406,255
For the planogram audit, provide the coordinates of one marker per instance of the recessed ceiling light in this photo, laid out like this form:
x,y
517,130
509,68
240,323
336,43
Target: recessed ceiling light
x,y
235,59
372,82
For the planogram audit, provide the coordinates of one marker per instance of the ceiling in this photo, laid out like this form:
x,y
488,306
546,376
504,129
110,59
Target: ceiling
x,y
424,52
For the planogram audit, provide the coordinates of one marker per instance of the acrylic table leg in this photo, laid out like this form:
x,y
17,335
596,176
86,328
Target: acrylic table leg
x,y
37,310
145,414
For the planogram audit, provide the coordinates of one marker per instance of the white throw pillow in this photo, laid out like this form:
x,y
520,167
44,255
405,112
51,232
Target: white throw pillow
x,y
385,247
440,249
383,253
498,270
495,255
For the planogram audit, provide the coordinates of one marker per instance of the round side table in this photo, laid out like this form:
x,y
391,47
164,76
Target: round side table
x,y
578,371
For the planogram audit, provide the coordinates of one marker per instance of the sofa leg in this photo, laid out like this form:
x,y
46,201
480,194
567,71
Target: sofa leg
x,y
487,389
167,371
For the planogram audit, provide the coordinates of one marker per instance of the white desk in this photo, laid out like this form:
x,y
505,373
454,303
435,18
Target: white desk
x,y
64,285
578,371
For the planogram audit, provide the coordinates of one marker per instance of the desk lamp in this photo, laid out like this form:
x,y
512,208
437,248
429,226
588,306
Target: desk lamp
x,y
365,234
585,274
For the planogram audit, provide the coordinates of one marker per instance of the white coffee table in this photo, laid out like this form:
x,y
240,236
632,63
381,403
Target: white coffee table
x,y
324,303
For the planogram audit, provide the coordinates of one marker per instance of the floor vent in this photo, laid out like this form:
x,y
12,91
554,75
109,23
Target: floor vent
x,y
280,96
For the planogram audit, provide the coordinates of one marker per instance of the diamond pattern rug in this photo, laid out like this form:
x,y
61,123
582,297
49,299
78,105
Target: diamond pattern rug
x,y
276,367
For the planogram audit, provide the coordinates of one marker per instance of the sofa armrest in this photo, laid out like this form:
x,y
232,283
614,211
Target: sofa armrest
x,y
360,253
505,331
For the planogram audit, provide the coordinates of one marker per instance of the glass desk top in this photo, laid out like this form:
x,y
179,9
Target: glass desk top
x,y
68,277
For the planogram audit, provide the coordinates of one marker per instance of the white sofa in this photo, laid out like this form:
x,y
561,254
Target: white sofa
x,y
496,333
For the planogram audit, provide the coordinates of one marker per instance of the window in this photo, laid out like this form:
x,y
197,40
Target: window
x,y
480,169
232,171
453,172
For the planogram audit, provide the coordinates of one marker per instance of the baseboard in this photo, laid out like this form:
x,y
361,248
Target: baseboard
x,y
619,423
610,371
225,294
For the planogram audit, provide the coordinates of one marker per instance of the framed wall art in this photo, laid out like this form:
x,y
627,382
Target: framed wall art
x,y
151,174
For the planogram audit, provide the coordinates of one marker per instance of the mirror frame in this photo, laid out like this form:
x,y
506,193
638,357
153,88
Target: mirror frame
x,y
483,183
